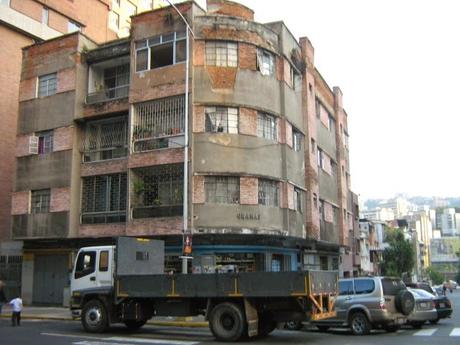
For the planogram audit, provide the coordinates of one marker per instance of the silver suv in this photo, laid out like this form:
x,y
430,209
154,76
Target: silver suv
x,y
370,302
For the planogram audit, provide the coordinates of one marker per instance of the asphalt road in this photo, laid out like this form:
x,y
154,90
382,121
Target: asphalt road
x,y
447,332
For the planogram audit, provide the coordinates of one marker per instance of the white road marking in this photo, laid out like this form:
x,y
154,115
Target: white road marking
x,y
152,341
426,332
455,332
69,335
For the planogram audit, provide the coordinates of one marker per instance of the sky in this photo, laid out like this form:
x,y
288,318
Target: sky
x,y
398,66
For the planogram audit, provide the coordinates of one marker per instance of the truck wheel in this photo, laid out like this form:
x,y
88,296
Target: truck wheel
x,y
227,322
359,323
134,325
94,317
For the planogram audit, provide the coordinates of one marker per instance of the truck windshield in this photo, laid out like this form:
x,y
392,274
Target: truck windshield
x,y
86,264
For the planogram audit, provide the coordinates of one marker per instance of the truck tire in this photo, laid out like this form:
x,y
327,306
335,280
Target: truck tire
x,y
359,323
94,317
404,302
227,322
134,325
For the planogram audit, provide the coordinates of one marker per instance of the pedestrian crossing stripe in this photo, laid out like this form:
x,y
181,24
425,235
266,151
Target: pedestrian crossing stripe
x,y
455,332
426,332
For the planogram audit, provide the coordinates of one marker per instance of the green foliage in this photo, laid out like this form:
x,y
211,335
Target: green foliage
x,y
399,256
435,276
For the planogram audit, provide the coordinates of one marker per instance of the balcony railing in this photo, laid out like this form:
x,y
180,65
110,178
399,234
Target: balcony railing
x,y
157,211
109,94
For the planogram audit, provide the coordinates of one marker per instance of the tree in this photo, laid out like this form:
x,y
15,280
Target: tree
x,y
435,276
399,256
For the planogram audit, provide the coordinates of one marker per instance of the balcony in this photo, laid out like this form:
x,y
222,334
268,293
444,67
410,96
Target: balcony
x,y
108,94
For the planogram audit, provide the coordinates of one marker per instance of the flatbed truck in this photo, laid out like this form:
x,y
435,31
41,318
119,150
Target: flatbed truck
x,y
126,284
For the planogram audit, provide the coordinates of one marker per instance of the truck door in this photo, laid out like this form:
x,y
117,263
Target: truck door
x,y
84,275
104,268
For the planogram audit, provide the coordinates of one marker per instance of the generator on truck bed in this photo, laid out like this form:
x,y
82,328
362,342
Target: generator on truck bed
x,y
126,284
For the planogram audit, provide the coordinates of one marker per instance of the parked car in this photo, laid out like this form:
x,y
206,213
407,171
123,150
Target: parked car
x,y
443,306
420,285
425,309
370,302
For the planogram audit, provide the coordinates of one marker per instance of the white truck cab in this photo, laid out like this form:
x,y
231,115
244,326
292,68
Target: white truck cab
x,y
93,269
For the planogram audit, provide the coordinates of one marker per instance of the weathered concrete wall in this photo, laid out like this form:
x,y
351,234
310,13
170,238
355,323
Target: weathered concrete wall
x,y
48,225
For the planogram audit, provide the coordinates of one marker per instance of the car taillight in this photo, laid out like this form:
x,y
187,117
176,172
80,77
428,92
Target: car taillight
x,y
433,304
382,304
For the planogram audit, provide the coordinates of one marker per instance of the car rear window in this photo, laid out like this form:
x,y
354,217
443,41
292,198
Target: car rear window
x,y
363,286
391,287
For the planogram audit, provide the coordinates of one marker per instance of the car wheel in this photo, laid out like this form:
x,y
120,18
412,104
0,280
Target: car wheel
x,y
391,328
434,322
294,325
323,328
359,323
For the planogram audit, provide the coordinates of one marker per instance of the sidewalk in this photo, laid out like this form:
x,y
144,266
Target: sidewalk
x,y
63,314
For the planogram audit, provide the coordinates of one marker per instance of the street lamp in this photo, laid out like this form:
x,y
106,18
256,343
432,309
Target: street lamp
x,y
185,258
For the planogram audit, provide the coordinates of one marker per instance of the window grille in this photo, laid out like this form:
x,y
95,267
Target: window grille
x,y
160,51
159,191
265,62
40,201
222,119
266,127
298,196
296,140
222,189
268,192
45,142
223,54
155,121
107,139
47,85
104,199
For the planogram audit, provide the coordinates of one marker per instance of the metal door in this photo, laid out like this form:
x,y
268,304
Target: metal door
x,y
50,278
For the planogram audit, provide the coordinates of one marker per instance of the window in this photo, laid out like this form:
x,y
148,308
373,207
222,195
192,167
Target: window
x,y
104,199
320,158
323,263
331,123
106,139
265,62
157,124
296,140
298,196
363,286
222,189
5,2
40,201
114,78
45,15
131,9
345,287
114,20
104,261
296,79
268,193
72,26
222,119
224,54
313,145
47,85
86,264
160,51
45,142
115,3
318,108
266,127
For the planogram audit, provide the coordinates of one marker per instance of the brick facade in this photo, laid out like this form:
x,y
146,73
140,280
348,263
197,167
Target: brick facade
x,y
60,199
198,196
20,203
155,226
198,124
170,156
63,138
247,56
222,77
249,191
104,167
248,121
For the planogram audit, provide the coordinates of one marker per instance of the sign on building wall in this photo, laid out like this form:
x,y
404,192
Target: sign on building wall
x,y
445,249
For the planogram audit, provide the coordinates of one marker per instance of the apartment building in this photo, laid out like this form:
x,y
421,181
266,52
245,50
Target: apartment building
x,y
23,22
101,137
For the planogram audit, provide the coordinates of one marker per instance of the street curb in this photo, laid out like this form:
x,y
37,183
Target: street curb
x,y
192,324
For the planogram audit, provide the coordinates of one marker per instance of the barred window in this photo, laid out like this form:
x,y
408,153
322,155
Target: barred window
x,y
104,199
296,140
222,189
298,196
47,85
268,193
266,127
155,122
40,201
265,62
222,119
223,54
45,141
160,51
105,139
